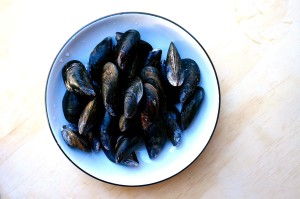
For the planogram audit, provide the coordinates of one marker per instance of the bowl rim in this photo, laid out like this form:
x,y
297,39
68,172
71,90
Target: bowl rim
x,y
152,15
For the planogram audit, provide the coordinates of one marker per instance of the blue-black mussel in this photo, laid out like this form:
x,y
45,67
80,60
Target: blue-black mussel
x,y
126,48
77,79
73,106
191,79
101,54
191,107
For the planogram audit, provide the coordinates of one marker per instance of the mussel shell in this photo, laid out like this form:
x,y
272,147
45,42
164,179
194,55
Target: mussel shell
x,y
133,96
174,70
191,79
73,106
125,146
150,106
151,75
191,107
154,58
149,72
155,139
72,138
90,117
173,131
163,72
109,131
109,85
94,139
126,48
124,123
76,78
101,54
131,160
143,50
171,93
118,36
130,126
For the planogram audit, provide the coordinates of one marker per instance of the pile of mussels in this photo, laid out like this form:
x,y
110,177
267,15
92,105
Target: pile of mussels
x,y
126,97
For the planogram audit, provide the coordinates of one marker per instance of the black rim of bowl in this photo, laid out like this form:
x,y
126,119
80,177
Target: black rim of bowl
x,y
138,13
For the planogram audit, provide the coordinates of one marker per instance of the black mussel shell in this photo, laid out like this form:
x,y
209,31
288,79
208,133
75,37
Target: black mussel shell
x,y
124,123
126,48
133,96
100,55
191,79
191,107
109,131
73,106
174,70
118,36
151,75
109,85
149,72
72,137
90,117
143,50
149,106
76,78
125,146
131,160
154,58
128,124
163,72
155,139
94,139
171,93
173,131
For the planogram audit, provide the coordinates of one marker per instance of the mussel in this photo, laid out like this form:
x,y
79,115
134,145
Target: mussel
x,y
110,77
124,123
150,72
154,58
90,117
125,146
133,96
94,139
73,106
151,75
191,107
155,139
174,70
72,137
143,50
171,92
109,131
126,48
191,79
101,54
118,36
130,161
76,78
150,108
173,131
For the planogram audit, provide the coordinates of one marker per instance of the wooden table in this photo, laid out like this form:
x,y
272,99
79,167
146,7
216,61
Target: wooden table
x,y
255,150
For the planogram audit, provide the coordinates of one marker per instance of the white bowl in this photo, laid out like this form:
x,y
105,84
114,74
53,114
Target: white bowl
x,y
159,32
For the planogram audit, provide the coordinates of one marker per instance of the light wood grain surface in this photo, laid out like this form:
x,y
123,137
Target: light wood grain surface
x,y
255,150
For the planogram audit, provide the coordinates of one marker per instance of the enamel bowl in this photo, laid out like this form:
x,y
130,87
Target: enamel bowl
x,y
159,32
